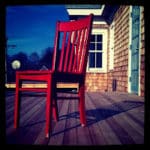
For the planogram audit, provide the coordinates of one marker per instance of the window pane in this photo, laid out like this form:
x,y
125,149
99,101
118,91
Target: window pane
x,y
92,60
99,38
92,46
92,39
98,60
99,46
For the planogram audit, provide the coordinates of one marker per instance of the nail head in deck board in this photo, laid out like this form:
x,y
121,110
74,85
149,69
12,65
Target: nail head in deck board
x,y
105,129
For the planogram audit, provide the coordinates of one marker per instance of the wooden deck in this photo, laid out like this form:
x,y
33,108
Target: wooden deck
x,y
112,119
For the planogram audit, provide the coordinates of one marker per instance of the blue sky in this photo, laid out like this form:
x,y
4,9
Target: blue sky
x,y
32,27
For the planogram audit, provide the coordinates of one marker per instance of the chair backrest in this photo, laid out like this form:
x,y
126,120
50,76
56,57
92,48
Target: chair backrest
x,y
71,45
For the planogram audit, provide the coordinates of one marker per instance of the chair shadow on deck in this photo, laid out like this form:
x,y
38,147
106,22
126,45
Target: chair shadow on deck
x,y
92,115
96,115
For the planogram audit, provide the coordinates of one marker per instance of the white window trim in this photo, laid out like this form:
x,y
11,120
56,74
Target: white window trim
x,y
99,22
111,47
96,12
129,56
104,32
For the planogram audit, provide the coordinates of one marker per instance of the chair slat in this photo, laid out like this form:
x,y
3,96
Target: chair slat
x,y
85,54
72,51
82,49
74,25
62,52
56,43
77,44
73,45
67,52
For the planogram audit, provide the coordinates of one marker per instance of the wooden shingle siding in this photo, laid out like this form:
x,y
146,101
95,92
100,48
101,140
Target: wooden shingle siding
x,y
121,43
96,82
118,77
110,81
104,82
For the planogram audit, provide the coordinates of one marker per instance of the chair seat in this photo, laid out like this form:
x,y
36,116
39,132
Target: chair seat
x,y
35,75
36,72
33,89
40,72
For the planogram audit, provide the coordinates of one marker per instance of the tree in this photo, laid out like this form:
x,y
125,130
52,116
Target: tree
x,y
34,61
46,59
10,70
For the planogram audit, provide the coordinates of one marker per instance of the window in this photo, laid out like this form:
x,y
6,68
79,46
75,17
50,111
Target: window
x,y
95,56
97,51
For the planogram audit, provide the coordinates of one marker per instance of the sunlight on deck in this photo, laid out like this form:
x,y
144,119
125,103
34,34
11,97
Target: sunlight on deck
x,y
37,85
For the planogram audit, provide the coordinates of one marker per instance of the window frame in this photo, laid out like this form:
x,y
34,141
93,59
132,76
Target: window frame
x,y
111,47
104,33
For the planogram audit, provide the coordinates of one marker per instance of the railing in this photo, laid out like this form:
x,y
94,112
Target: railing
x,y
39,85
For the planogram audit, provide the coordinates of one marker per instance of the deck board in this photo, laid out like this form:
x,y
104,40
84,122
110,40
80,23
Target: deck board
x,y
102,114
59,129
113,118
71,135
95,129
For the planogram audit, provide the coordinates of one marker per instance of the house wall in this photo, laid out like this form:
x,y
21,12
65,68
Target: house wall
x,y
117,79
97,81
119,75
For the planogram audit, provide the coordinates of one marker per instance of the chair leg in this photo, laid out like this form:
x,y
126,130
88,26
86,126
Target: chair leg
x,y
17,104
48,107
55,108
82,104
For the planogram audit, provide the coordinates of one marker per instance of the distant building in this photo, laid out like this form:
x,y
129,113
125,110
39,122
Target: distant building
x,y
43,68
117,50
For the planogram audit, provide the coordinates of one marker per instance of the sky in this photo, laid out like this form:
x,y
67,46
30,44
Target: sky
x,y
32,27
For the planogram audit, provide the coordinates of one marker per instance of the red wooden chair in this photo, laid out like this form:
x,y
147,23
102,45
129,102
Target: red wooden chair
x,y
68,65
